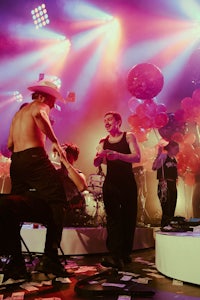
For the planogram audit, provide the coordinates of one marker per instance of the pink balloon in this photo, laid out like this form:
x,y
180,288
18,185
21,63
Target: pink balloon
x,y
150,107
186,103
146,122
133,103
187,150
178,137
196,95
189,179
189,138
160,120
141,135
141,110
161,108
145,81
197,151
134,120
181,163
180,116
194,163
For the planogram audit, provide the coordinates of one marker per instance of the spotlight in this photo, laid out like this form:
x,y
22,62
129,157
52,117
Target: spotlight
x,y
40,16
56,81
18,96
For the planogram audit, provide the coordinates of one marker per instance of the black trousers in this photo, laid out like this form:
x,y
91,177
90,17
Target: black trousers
x,y
16,209
34,177
168,203
120,203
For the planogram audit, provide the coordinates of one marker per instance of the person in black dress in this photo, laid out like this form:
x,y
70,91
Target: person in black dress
x,y
119,150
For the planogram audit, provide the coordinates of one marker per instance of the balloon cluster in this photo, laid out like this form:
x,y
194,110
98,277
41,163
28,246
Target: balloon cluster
x,y
188,159
173,128
191,107
146,115
189,156
144,82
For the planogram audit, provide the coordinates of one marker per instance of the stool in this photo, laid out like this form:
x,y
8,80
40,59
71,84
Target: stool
x,y
27,248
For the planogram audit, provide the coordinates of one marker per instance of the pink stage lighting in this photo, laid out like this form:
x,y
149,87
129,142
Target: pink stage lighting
x,y
40,16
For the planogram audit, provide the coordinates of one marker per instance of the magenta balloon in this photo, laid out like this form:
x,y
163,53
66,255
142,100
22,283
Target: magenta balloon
x,y
133,104
161,119
145,81
161,108
196,95
186,103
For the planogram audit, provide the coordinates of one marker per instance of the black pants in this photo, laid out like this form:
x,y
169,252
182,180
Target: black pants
x,y
31,170
16,209
121,209
168,203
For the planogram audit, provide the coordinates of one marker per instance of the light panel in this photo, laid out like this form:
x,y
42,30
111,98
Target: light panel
x,y
40,16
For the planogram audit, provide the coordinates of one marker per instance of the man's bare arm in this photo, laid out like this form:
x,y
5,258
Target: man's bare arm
x,y
78,178
41,118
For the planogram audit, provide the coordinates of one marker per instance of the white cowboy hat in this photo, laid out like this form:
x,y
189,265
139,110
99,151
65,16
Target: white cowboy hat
x,y
47,87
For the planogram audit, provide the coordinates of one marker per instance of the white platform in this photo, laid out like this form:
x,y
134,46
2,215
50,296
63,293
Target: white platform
x,y
76,241
177,255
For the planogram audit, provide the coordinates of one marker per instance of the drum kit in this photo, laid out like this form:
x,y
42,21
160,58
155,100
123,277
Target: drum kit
x,y
87,209
94,206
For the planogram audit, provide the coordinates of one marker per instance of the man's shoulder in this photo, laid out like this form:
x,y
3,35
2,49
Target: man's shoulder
x,y
130,136
37,106
102,140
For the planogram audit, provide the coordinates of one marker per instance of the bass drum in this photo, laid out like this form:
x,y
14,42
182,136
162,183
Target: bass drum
x,y
90,204
75,213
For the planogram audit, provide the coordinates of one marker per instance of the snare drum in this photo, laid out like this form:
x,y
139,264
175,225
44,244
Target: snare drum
x,y
95,183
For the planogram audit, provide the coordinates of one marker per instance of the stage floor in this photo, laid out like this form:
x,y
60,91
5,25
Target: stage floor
x,y
82,240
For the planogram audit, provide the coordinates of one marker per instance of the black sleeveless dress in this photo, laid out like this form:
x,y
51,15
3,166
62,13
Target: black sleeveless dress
x,y
120,201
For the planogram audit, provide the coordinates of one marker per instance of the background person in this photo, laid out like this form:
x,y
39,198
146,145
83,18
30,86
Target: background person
x,y
167,175
74,182
119,150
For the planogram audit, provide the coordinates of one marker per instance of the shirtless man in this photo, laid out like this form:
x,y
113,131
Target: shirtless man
x,y
33,177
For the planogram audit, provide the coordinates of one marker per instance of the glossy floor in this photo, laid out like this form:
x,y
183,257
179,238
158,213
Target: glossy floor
x,y
142,269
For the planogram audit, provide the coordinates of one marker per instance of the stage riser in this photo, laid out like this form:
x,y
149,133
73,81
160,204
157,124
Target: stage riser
x,y
177,255
80,241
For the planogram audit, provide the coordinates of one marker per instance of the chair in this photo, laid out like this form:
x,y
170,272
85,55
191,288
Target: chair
x,y
28,250
15,198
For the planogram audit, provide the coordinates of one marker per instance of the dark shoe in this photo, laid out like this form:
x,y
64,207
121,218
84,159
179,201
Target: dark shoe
x,y
16,270
113,262
48,265
127,259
